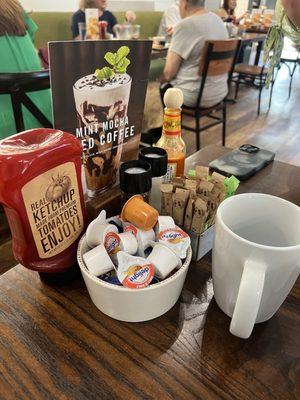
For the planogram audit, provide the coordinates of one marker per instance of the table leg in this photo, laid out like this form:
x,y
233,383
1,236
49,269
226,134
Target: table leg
x,y
258,52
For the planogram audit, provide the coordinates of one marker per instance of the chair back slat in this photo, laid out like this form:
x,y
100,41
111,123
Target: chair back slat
x,y
17,85
218,56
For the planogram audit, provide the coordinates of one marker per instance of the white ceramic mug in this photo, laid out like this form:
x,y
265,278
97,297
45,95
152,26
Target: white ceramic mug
x,y
256,257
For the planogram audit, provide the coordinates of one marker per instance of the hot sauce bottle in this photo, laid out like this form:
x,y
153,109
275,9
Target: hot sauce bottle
x,y
171,139
41,191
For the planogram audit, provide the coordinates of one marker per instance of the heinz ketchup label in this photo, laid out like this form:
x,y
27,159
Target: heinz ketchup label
x,y
52,203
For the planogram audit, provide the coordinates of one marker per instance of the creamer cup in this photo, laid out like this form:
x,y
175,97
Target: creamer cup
x,y
115,242
176,239
144,238
129,242
164,260
164,222
139,213
98,261
134,272
97,230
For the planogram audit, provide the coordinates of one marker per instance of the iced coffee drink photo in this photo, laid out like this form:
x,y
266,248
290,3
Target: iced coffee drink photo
x,y
101,101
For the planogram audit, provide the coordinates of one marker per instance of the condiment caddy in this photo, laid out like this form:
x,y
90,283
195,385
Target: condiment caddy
x,y
136,270
193,201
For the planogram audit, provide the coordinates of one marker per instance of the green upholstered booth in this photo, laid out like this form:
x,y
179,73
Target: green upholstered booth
x,y
54,26
57,25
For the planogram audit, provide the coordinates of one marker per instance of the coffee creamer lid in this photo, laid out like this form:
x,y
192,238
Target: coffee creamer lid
x,y
134,272
175,238
112,243
128,227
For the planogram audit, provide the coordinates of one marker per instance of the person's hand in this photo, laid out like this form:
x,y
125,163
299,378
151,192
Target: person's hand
x,y
292,9
130,16
238,20
170,30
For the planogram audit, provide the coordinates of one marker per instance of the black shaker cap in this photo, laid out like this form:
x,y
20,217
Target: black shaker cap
x,y
135,183
158,164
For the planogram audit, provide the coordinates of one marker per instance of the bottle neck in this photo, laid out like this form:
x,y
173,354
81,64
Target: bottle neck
x,y
172,122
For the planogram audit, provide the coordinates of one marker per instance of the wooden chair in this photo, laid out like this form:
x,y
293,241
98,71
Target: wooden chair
x,y
17,85
218,57
252,76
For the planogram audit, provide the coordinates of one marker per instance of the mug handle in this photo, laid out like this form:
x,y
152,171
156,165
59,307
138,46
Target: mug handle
x,y
248,299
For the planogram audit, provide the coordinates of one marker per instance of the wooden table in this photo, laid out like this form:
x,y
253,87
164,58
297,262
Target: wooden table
x,y
156,54
55,344
249,38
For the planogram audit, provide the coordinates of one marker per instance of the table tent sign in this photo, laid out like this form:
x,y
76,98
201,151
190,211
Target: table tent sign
x,y
98,94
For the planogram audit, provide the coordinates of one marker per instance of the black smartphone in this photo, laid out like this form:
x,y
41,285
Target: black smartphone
x,y
243,162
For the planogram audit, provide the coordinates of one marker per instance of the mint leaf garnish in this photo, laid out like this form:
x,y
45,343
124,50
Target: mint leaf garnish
x,y
110,58
118,61
121,67
121,53
104,73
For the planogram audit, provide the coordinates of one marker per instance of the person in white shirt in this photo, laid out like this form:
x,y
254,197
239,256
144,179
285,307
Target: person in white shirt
x,y
183,59
170,20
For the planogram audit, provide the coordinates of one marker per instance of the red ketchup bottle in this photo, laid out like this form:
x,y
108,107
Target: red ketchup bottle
x,y
41,191
102,29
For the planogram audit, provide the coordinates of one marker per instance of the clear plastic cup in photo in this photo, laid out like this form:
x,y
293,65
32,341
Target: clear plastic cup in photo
x,y
82,30
101,108
135,31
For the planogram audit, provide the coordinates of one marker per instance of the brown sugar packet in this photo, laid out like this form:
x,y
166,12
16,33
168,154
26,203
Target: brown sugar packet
x,y
199,216
218,177
205,187
192,186
219,191
166,199
202,172
179,206
178,182
186,192
212,205
189,214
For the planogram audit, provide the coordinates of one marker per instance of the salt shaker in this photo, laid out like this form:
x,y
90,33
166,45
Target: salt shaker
x,y
158,159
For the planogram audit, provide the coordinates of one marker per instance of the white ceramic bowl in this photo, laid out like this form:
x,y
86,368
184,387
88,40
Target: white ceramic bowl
x,y
133,305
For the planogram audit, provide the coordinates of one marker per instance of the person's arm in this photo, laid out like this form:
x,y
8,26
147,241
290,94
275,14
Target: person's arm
x,y
114,20
74,27
180,50
292,9
172,66
172,17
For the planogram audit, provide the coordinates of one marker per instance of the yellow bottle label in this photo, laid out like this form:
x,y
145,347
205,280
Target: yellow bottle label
x,y
53,208
172,123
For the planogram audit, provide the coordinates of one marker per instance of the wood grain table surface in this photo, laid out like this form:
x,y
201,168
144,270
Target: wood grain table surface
x,y
55,344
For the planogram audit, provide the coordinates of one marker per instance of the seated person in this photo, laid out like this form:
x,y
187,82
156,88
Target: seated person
x,y
227,12
104,15
130,17
183,59
170,19
19,55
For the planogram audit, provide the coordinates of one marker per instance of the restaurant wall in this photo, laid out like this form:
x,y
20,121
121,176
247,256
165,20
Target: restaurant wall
x,y
114,5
